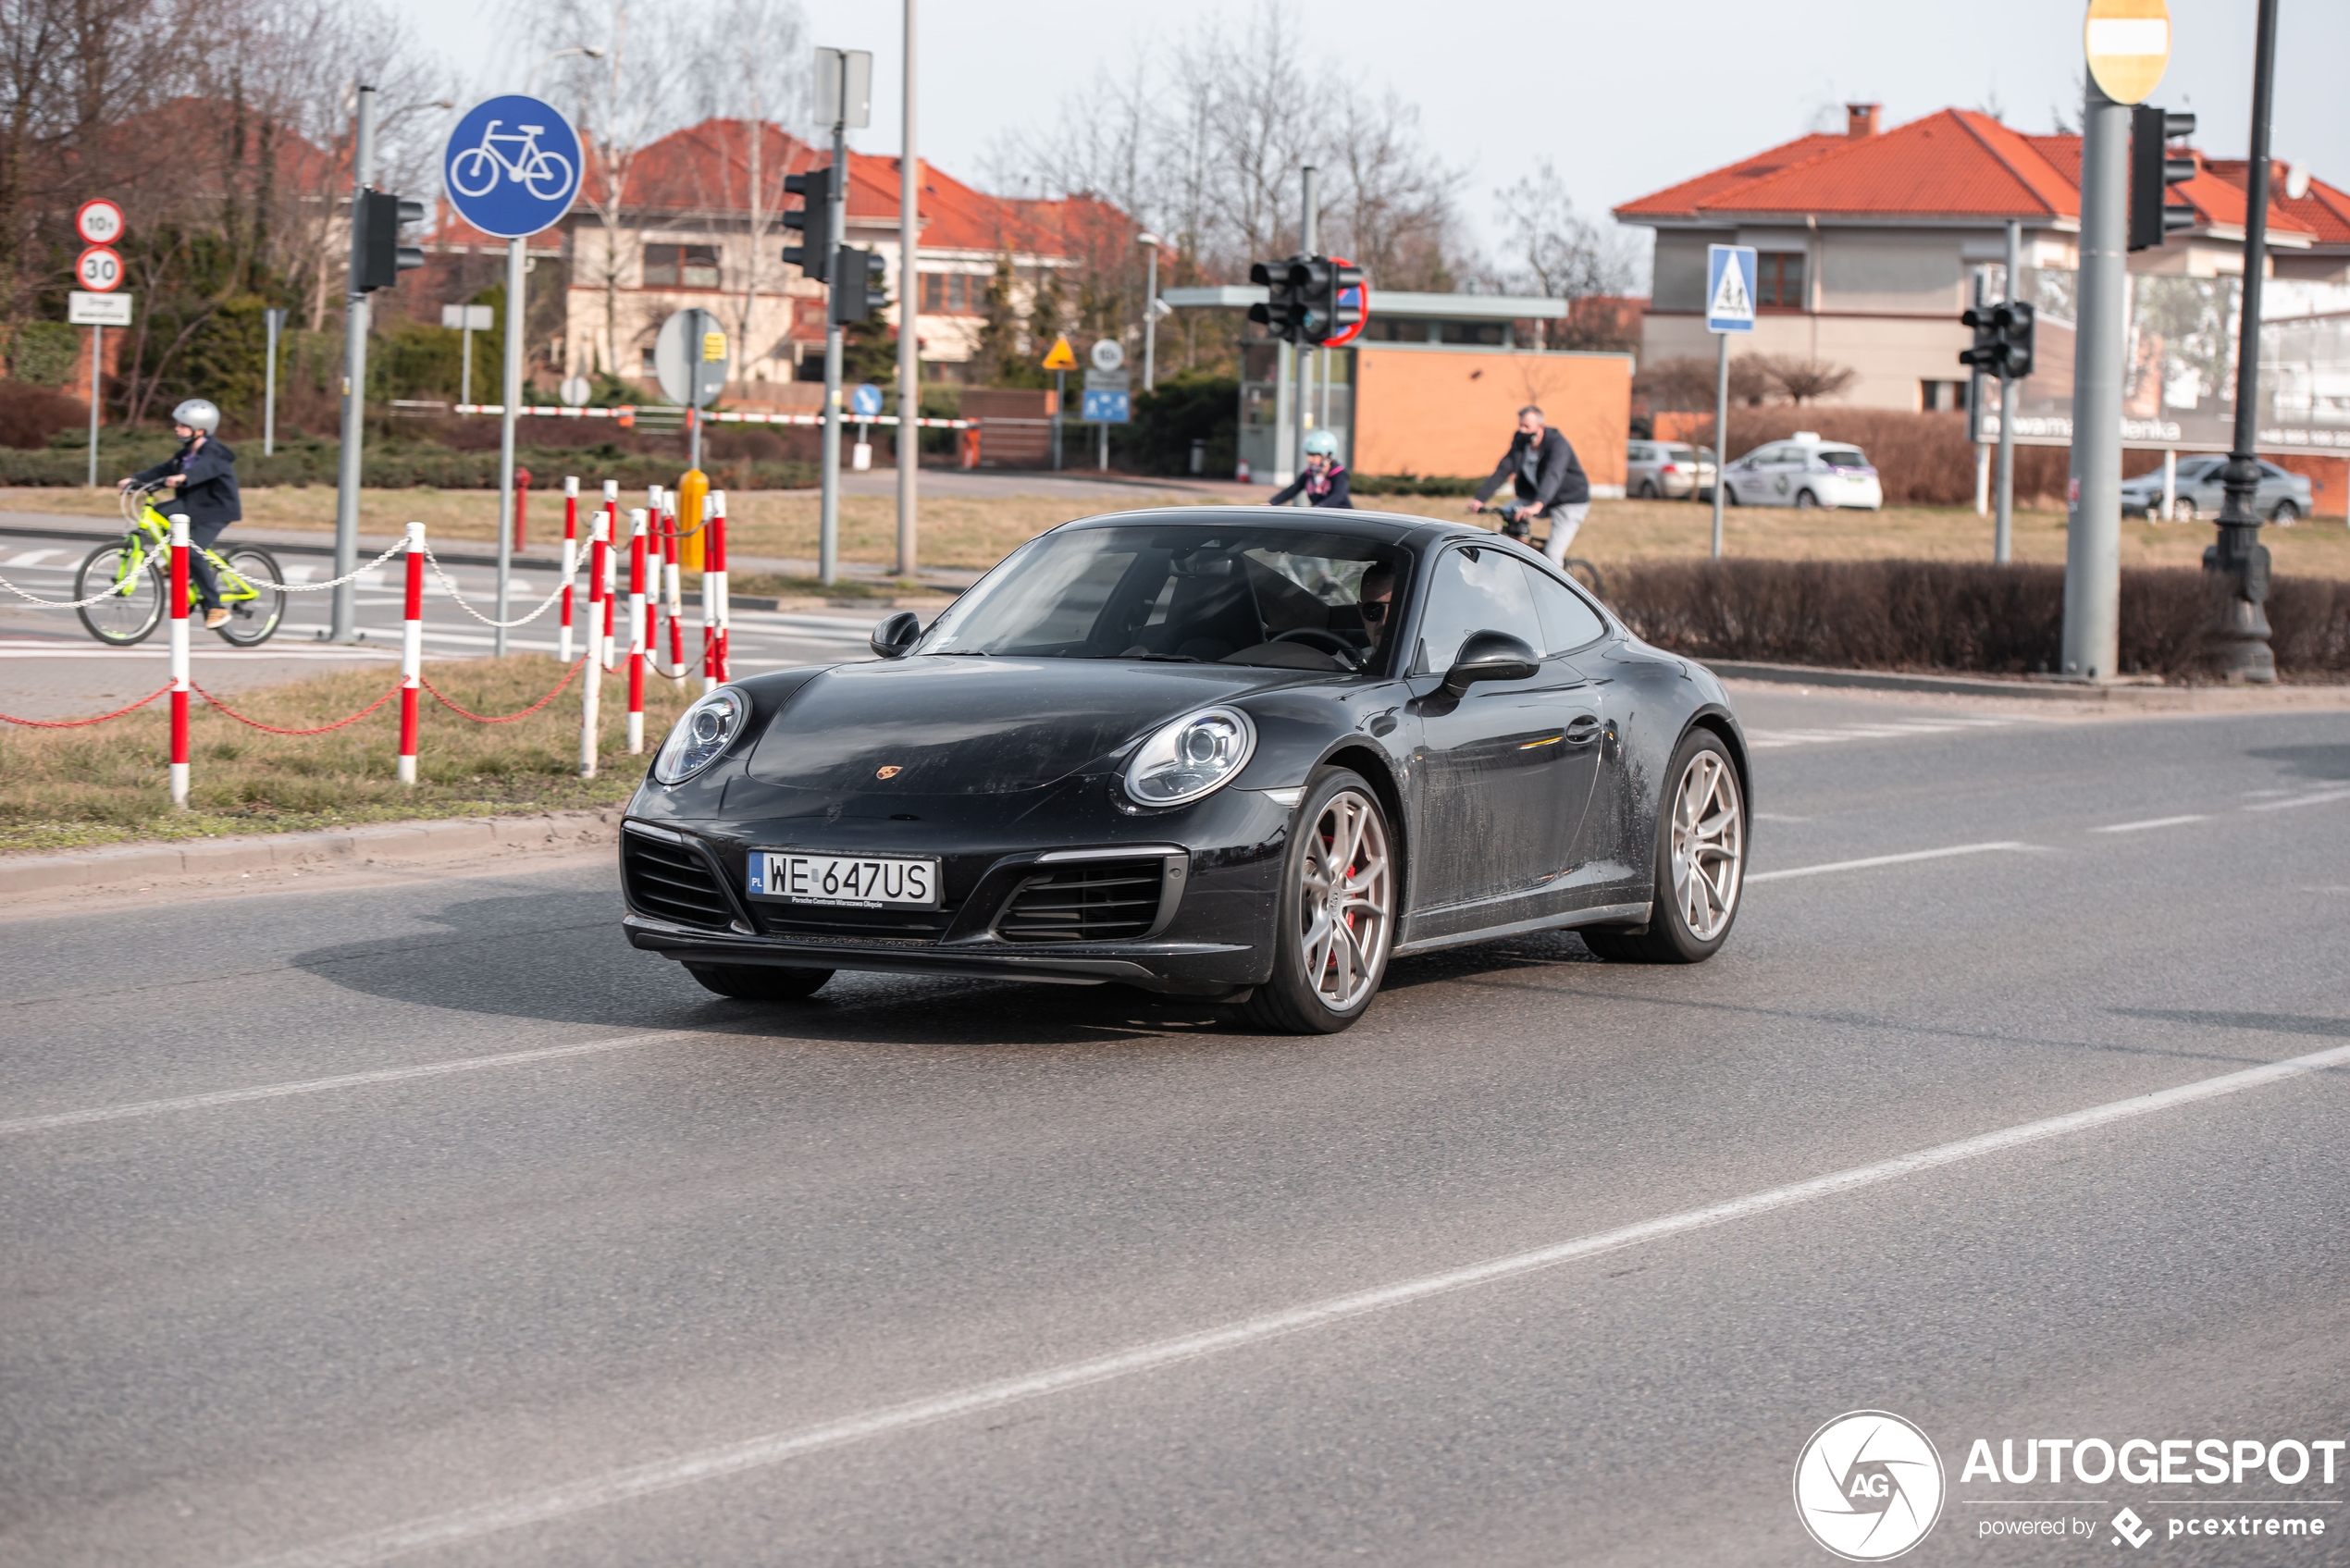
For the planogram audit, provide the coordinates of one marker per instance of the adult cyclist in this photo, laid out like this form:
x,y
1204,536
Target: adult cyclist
x,y
204,472
1543,470
1324,481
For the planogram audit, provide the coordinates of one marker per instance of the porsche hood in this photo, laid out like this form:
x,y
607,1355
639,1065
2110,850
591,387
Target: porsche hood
x,y
978,726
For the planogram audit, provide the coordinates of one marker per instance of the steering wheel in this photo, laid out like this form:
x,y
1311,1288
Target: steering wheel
x,y
1330,642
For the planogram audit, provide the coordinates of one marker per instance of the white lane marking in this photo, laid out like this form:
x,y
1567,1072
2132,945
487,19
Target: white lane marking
x,y
2319,800
140,1108
2152,822
777,1448
299,573
33,557
1890,860
1778,817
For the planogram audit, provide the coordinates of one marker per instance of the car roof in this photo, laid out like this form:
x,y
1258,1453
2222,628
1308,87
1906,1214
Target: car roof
x,y
1386,528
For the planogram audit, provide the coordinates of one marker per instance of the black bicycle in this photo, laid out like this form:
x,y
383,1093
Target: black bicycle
x,y
1518,527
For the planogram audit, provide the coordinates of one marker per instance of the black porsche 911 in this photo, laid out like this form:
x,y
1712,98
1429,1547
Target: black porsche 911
x,y
1232,752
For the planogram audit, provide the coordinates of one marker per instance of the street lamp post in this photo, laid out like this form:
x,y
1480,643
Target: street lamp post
x,y
2238,563
1150,311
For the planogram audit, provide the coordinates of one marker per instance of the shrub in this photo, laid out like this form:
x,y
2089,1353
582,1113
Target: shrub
x,y
30,415
1924,459
1937,615
43,353
1176,413
1410,485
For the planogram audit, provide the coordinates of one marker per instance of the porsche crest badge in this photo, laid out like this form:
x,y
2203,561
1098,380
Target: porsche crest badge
x,y
889,772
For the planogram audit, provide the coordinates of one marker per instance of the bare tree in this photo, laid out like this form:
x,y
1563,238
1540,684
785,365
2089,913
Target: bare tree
x,y
748,73
1681,384
1807,380
1552,251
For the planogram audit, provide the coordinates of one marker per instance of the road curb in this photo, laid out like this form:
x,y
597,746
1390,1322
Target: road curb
x,y
1965,685
385,843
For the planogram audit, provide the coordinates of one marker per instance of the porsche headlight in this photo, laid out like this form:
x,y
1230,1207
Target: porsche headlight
x,y
705,731
1192,757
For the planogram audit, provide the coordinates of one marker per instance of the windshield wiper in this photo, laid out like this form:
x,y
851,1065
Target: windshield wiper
x,y
962,653
1164,658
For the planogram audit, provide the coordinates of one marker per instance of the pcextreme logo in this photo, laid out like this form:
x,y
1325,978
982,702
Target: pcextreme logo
x,y
1868,1485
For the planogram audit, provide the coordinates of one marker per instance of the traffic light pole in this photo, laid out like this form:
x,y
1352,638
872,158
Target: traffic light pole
x,y
828,515
2003,529
1309,243
343,618
2093,524
910,362
2239,562
512,398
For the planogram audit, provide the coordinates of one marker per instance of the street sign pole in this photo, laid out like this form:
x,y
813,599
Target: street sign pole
x,y
1308,240
2003,529
909,345
512,399
343,618
1729,307
2093,525
97,358
274,320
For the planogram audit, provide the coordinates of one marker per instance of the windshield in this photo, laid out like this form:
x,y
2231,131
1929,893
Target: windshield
x,y
1282,598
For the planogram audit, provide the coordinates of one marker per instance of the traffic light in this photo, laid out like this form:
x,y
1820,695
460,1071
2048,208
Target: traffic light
x,y
1314,293
376,222
1346,302
2011,321
1984,354
1279,313
814,255
2152,173
2002,343
857,286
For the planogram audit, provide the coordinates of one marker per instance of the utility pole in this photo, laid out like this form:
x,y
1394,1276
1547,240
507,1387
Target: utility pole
x,y
910,348
1308,240
2003,530
1150,310
2093,524
843,86
343,619
274,320
2239,562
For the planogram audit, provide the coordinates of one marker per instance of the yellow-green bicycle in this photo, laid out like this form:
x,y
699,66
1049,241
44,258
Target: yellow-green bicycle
x,y
140,570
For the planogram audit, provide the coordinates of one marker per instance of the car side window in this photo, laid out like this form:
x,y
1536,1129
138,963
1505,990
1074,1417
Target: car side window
x,y
1637,453
1567,622
1471,590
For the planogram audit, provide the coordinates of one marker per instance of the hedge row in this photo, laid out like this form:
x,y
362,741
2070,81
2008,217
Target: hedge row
x,y
1939,615
316,464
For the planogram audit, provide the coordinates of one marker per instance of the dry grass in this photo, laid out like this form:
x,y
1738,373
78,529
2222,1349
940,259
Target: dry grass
x,y
976,532
68,788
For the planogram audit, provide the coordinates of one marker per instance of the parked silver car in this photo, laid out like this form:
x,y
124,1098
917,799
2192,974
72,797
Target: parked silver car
x,y
1670,470
2283,497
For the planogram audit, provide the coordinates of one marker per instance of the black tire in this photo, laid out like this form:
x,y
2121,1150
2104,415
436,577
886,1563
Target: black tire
x,y
758,982
1668,938
120,621
1291,1001
1730,496
2285,515
1647,489
2183,510
1805,500
255,621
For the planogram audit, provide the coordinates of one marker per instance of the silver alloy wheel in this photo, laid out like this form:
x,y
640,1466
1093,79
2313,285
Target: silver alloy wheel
x,y
1347,901
1708,844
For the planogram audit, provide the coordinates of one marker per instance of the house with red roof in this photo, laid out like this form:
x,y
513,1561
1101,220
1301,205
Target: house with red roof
x,y
1868,242
695,219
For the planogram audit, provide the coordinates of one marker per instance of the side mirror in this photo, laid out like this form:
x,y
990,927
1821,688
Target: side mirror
x,y
895,638
1491,656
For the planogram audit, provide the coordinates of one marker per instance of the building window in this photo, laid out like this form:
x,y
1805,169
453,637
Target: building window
x,y
1778,279
1941,397
681,266
953,294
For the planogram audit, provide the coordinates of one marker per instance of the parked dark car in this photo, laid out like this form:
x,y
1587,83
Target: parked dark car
x,y
1236,753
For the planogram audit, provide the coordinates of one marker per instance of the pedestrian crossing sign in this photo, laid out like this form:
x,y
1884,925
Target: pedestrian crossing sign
x,y
1729,288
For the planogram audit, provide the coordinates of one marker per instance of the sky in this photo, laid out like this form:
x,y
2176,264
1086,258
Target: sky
x,y
1625,99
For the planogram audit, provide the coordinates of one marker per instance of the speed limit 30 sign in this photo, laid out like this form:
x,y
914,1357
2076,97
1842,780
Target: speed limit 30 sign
x,y
100,269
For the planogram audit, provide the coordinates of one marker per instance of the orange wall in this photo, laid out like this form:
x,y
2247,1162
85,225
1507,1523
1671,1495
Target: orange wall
x,y
1451,411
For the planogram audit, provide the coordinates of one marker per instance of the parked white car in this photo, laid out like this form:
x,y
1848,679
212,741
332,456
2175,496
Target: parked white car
x,y
1803,471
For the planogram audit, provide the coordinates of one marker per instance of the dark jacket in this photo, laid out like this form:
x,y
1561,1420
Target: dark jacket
x,y
1327,488
210,494
1557,480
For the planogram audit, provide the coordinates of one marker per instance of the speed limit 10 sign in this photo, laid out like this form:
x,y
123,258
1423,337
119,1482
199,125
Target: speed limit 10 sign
x,y
98,222
100,270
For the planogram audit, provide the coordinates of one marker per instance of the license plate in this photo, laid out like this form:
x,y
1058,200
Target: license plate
x,y
858,881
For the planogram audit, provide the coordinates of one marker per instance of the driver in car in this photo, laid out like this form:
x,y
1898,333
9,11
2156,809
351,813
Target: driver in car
x,y
1378,600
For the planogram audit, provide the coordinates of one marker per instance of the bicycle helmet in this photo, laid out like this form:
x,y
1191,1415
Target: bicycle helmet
x,y
1321,443
198,415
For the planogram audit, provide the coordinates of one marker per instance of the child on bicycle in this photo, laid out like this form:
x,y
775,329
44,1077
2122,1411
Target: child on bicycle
x,y
204,472
1324,481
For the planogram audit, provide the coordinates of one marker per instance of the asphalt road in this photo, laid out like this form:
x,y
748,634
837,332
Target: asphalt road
x,y
523,1250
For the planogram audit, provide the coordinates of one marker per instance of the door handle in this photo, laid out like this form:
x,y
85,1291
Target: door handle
x,y
1583,730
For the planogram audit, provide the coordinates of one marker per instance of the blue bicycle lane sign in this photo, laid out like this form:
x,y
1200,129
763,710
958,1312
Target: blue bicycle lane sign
x,y
512,167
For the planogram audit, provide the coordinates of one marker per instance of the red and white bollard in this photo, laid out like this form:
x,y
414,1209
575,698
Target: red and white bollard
x,y
411,652
717,512
656,506
611,533
591,679
179,681
711,556
674,598
638,523
571,559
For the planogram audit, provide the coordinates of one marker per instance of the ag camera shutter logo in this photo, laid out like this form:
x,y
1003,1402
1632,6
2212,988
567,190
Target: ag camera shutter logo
x,y
1869,1485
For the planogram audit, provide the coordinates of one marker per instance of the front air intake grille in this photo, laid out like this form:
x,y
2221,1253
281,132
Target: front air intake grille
x,y
1091,901
673,881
